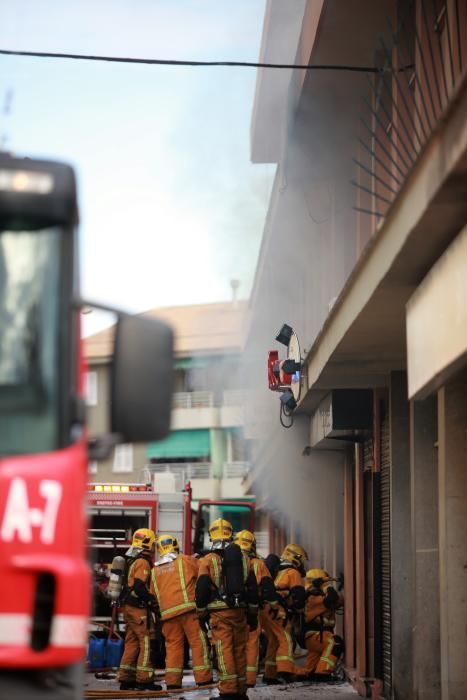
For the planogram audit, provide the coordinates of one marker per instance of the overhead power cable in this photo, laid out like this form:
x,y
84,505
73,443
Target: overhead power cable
x,y
171,62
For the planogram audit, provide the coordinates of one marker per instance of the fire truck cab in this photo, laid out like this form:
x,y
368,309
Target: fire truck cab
x,y
44,447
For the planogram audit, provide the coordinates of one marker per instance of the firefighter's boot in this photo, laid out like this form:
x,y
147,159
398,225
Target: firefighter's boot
x,y
148,686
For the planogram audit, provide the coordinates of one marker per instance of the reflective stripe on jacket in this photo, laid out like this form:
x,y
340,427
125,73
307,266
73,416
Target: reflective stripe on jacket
x,y
286,579
173,583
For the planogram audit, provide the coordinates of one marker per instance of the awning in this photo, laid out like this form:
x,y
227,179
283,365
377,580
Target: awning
x,y
191,362
181,443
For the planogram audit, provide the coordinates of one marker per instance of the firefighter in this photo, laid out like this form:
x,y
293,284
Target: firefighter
x,y
323,646
227,596
136,669
267,596
173,582
277,621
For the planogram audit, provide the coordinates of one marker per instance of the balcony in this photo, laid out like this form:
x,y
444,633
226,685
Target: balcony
x,y
232,483
199,409
193,399
231,412
194,409
173,477
235,470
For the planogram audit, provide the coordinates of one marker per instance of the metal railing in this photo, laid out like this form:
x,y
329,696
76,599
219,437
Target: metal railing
x,y
185,470
235,470
193,399
421,65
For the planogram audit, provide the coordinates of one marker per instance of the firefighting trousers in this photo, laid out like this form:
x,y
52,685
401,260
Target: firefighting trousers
x,y
279,654
252,655
136,659
229,637
174,631
324,650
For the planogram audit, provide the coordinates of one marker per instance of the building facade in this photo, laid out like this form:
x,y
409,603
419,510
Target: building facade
x,y
205,445
364,254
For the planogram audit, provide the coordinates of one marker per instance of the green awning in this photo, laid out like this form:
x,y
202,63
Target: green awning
x,y
191,362
181,443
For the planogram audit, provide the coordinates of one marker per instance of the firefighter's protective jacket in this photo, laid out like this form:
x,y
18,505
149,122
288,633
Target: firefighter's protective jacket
x,y
320,609
173,583
267,591
209,587
288,583
139,574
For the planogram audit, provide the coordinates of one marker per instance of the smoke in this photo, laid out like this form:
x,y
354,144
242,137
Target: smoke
x,y
310,245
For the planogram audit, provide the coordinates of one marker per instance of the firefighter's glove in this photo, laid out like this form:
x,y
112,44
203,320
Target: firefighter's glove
x,y
252,619
153,605
274,612
203,618
340,582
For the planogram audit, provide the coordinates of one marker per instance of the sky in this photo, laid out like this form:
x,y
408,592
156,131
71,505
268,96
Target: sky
x,y
171,207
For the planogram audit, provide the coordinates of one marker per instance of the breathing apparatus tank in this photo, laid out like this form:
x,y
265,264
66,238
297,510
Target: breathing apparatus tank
x,y
233,573
117,575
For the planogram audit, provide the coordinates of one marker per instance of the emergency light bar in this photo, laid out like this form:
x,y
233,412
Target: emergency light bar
x,y
119,488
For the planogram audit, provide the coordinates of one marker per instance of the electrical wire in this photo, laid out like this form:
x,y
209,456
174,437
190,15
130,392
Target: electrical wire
x,y
171,62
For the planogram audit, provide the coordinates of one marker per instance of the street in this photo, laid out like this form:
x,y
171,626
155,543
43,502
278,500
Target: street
x,y
317,691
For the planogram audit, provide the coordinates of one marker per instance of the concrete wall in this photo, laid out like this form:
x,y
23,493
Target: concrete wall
x,y
424,513
452,427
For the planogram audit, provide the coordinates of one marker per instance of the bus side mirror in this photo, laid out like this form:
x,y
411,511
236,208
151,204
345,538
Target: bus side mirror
x,y
142,379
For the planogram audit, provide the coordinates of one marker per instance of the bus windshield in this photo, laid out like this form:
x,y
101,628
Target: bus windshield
x,y
29,340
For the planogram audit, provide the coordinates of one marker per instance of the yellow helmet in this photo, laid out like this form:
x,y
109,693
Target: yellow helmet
x,y
246,541
220,531
295,554
313,574
143,541
167,544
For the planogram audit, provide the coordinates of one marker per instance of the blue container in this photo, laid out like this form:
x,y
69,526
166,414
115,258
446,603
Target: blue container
x,y
96,653
113,652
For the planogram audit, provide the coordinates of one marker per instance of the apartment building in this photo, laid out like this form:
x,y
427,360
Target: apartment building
x,y
205,445
364,254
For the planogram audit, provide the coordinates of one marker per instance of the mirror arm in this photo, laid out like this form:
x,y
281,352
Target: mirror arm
x,y
79,303
101,446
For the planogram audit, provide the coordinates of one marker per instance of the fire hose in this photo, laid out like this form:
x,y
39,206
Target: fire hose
x,y
136,694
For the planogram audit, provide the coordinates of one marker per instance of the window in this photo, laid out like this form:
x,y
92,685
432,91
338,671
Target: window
x,y
91,389
123,459
31,342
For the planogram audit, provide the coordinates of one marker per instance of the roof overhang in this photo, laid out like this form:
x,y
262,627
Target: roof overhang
x,y
364,335
437,322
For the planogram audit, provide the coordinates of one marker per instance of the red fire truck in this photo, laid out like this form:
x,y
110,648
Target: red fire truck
x,y
117,510
44,448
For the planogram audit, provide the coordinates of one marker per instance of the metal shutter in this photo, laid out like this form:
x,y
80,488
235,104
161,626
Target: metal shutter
x,y
385,502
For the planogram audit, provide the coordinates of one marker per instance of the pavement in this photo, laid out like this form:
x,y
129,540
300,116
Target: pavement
x,y
314,691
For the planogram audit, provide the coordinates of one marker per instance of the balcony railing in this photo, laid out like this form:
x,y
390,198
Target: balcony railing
x,y
193,399
186,471
235,470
